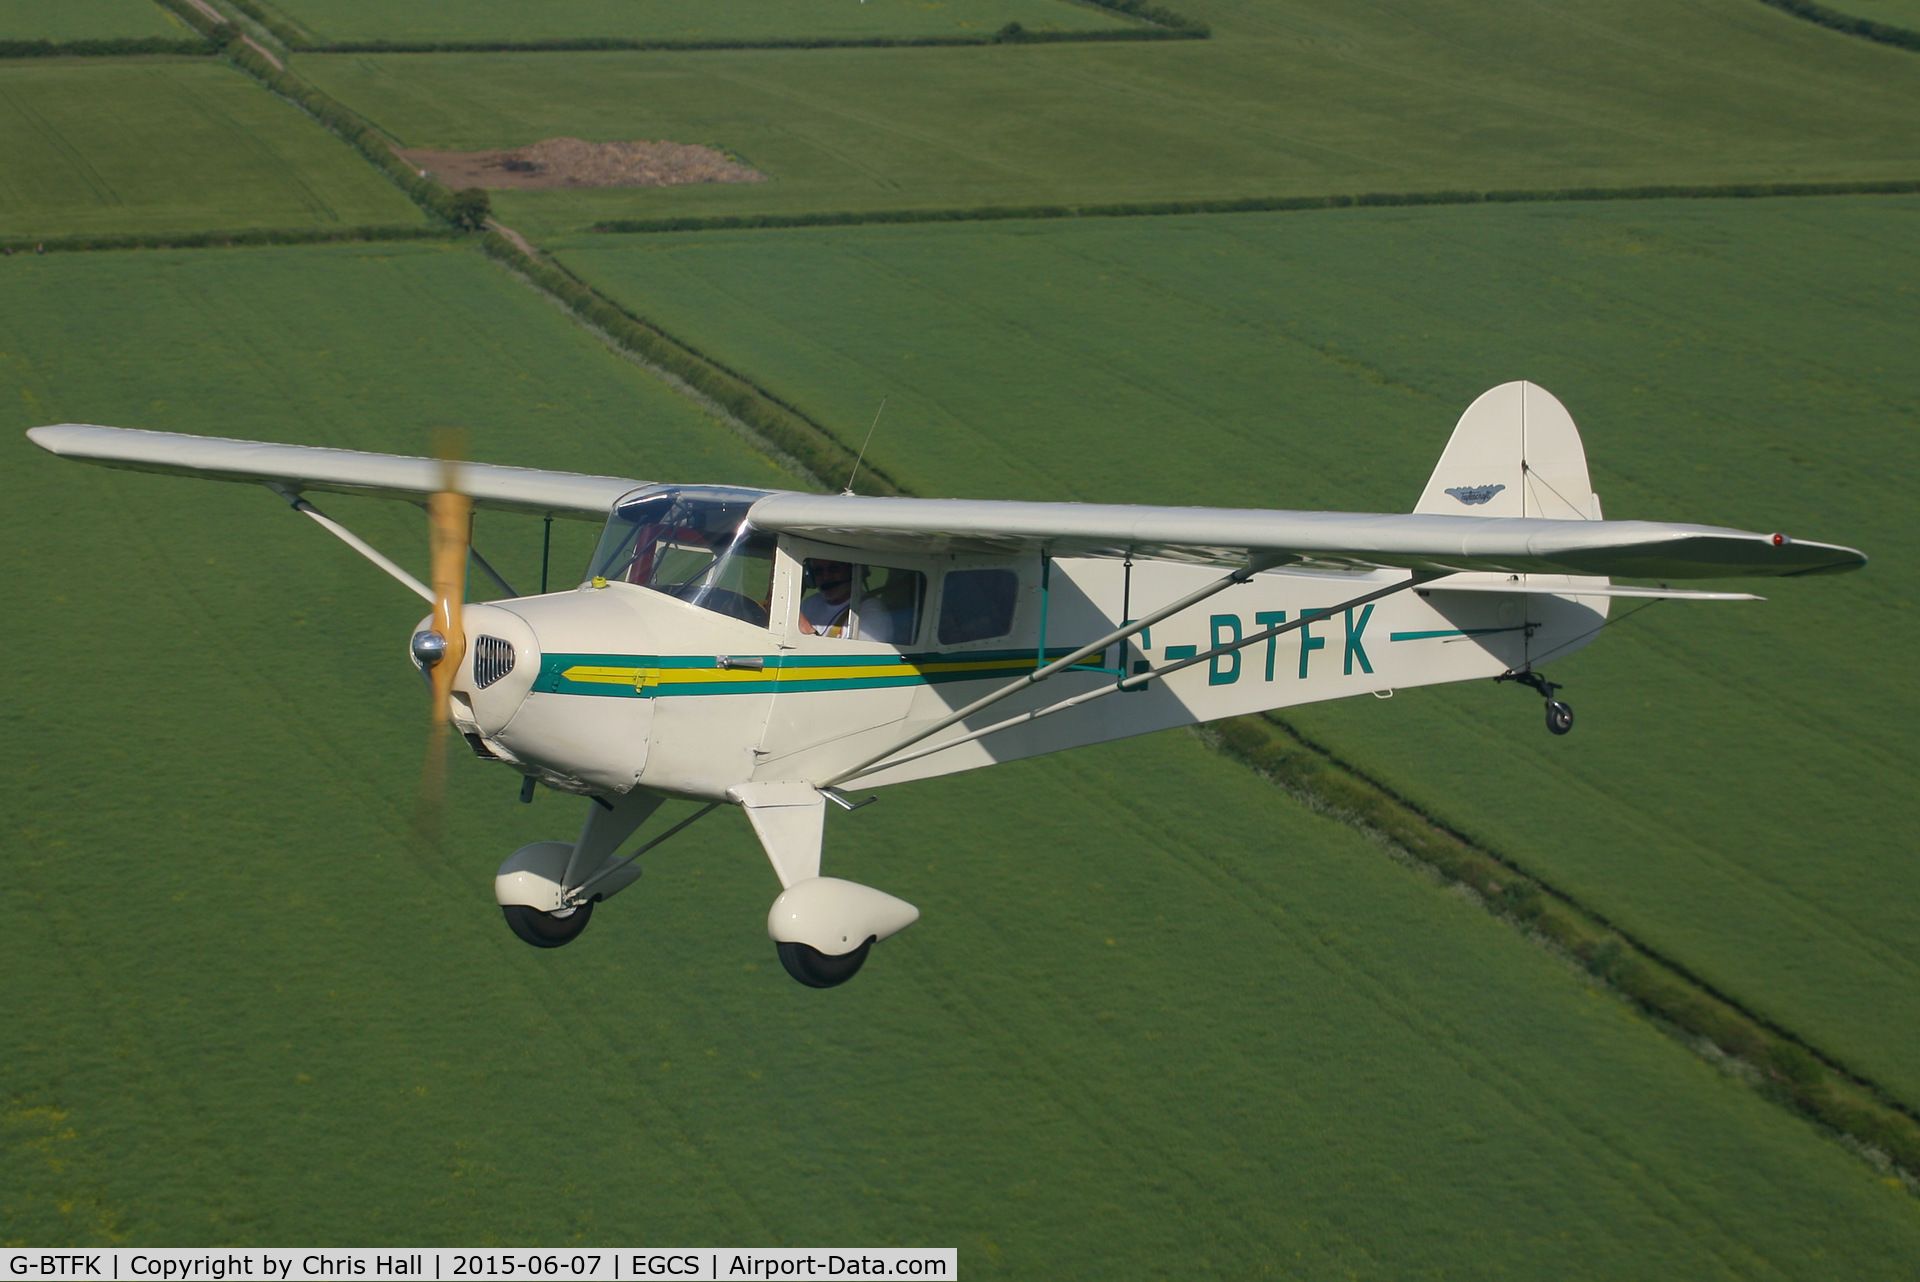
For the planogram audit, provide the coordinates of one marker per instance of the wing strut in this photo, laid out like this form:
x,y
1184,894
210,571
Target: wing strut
x,y
1138,680
353,541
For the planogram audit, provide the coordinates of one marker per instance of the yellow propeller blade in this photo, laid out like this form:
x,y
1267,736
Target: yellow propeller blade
x,y
450,528
451,515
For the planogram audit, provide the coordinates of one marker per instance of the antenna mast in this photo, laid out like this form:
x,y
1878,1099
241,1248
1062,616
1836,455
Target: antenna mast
x,y
863,445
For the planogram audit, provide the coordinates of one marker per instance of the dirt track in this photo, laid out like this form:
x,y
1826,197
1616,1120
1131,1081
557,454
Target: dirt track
x,y
573,162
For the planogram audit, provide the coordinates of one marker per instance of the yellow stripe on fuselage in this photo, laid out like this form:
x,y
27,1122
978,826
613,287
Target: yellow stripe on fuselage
x,y
635,677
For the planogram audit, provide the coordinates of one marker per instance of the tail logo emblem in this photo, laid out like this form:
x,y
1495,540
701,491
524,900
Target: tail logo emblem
x,y
1474,495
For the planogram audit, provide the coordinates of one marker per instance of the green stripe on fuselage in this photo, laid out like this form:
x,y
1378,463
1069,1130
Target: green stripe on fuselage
x,y
646,676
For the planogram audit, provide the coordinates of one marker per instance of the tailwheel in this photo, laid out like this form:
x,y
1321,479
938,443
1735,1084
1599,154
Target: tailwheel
x,y
1559,717
816,969
548,930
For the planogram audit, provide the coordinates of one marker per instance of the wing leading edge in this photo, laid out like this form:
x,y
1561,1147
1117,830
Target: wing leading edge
x,y
1332,540
310,467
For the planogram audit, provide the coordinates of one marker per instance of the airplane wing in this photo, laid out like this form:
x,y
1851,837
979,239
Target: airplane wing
x,y
1331,540
309,467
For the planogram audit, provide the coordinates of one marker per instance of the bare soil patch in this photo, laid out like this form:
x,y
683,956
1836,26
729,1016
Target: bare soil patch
x,y
573,162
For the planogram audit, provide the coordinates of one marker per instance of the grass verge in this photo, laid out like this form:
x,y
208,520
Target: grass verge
x,y
1783,1068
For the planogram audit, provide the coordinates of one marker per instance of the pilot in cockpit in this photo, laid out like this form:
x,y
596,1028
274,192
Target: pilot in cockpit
x,y
828,610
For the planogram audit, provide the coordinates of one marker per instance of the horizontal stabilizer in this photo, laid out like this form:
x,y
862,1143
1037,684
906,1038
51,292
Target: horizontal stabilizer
x,y
1550,588
311,467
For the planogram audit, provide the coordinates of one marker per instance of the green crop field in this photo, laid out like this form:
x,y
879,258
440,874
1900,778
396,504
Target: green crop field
x,y
480,20
1735,793
1285,99
87,20
1158,1020
101,145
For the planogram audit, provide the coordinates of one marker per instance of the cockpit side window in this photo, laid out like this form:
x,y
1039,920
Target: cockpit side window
x,y
695,544
861,602
977,605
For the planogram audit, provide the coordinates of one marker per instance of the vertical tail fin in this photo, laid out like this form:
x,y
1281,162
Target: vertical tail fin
x,y
1515,452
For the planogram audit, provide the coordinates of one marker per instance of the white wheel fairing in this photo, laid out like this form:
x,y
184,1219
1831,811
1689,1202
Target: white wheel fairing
x,y
531,876
835,917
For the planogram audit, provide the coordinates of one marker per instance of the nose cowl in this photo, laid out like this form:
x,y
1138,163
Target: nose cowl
x,y
502,660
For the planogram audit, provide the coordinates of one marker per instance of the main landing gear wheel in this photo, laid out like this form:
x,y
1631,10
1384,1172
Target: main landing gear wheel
x,y
547,930
1559,717
816,969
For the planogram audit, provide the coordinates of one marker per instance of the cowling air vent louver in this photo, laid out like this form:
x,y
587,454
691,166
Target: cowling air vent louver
x,y
492,659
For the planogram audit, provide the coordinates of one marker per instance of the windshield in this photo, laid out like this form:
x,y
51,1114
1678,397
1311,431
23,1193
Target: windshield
x,y
693,543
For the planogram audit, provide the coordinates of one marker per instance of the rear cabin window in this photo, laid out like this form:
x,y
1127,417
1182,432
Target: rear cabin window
x,y
861,602
976,605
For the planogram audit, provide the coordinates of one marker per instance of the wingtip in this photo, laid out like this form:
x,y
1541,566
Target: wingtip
x,y
1844,560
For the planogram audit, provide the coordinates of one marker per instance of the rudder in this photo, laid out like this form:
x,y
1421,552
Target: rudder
x,y
1515,452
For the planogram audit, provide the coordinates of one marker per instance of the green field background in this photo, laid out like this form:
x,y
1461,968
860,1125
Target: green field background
x,y
101,145
87,20
1286,99
1736,793
1158,1019
455,20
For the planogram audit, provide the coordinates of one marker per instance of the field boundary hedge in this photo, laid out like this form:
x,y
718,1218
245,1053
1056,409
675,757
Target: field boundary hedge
x,y
208,39
1778,1064
804,441
1012,33
179,45
226,239
1248,204
1158,14
1866,28
1161,23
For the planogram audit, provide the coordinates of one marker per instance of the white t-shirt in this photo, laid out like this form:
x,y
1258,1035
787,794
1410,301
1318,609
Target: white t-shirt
x,y
829,618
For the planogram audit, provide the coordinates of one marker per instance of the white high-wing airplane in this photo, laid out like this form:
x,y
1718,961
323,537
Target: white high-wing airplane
x,y
767,648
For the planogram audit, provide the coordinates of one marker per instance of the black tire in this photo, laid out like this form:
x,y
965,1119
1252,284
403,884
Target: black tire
x,y
817,970
1559,717
544,930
